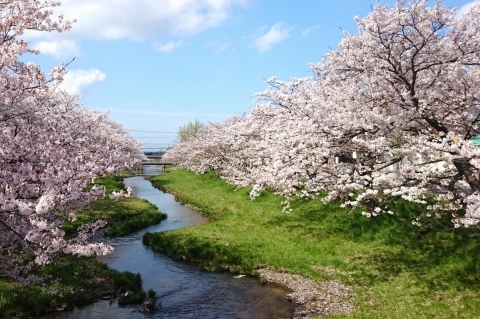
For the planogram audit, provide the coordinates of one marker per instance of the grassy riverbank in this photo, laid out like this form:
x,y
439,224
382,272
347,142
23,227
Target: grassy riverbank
x,y
69,281
123,216
393,272
72,281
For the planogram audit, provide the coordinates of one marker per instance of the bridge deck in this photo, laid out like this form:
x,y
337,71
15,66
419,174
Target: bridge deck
x,y
157,163
155,156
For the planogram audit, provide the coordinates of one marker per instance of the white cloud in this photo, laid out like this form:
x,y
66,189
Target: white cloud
x,y
65,49
76,80
464,9
274,35
167,47
308,31
140,19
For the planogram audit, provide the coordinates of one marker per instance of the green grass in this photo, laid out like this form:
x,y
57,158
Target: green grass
x,y
124,216
394,272
72,281
69,281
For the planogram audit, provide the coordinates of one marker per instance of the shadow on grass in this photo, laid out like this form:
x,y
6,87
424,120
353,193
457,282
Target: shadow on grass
x,y
438,261
391,245
69,281
208,255
371,250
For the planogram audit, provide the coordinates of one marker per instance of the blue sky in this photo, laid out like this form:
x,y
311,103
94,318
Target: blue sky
x,y
156,65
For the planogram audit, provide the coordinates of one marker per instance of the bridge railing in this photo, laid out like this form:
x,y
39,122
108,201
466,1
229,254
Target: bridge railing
x,y
157,161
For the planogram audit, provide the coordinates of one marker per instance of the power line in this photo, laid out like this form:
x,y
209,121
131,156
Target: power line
x,y
152,131
149,144
157,142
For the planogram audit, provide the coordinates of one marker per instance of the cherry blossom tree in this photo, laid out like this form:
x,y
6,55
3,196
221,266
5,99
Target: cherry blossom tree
x,y
391,113
50,148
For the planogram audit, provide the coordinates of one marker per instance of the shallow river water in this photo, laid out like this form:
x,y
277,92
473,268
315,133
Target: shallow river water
x,y
185,290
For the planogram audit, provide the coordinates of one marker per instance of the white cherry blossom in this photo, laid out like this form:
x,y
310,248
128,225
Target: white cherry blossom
x,y
390,113
50,148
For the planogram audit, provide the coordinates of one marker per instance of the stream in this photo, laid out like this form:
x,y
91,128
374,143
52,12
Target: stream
x,y
185,290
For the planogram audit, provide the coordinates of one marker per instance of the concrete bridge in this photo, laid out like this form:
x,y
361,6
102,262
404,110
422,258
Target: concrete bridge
x,y
157,161
154,160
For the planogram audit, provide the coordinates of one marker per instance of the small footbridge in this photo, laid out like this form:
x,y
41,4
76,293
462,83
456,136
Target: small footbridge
x,y
154,160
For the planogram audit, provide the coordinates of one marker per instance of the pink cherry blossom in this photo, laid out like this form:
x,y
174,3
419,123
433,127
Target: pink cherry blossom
x,y
50,148
390,113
